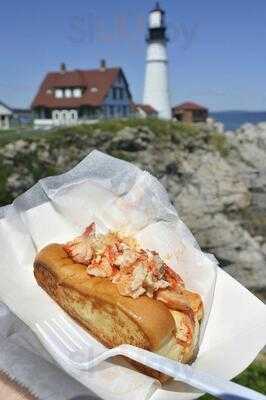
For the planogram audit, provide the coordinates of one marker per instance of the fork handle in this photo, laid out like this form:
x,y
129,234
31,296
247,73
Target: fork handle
x,y
218,387
202,381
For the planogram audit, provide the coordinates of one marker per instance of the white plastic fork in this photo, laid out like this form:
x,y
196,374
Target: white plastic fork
x,y
69,343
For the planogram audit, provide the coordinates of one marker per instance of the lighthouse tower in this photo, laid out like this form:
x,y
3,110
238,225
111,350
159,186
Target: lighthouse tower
x,y
156,87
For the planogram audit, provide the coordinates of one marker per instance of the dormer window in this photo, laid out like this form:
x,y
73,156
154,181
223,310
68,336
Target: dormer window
x,y
59,93
68,93
77,92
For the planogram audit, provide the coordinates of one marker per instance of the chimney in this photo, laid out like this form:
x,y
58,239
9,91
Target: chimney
x,y
62,67
103,65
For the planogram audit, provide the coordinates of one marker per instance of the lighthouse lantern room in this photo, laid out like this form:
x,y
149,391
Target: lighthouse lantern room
x,y
156,17
156,87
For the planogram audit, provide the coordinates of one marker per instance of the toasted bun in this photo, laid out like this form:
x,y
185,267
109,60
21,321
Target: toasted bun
x,y
112,318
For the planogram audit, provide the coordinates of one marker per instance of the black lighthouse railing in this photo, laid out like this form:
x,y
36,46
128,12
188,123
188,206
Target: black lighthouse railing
x,y
157,34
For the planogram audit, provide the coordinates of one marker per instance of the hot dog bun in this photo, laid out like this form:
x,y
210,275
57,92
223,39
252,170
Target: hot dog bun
x,y
114,319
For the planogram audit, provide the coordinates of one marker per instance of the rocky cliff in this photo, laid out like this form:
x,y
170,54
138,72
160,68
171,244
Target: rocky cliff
x,y
216,181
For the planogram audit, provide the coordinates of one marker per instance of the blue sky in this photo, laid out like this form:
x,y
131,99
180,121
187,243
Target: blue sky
x,y
217,52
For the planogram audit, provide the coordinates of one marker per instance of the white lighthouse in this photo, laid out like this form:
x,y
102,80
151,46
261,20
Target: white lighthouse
x,y
156,87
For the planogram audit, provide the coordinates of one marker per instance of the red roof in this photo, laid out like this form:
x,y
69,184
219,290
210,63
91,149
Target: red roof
x,y
189,105
100,79
146,108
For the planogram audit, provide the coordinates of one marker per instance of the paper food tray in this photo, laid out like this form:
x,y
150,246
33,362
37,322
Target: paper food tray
x,y
117,195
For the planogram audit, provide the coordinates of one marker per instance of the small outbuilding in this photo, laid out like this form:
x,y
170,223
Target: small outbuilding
x,y
190,112
145,111
5,116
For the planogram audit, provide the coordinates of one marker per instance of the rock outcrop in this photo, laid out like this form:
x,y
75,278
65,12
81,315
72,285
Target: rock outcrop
x,y
216,181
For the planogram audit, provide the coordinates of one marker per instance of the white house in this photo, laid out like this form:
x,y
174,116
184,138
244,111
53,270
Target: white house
x,y
71,97
5,116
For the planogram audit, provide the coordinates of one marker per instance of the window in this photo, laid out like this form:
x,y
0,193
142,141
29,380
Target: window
x,y
55,115
68,93
73,115
77,92
125,111
64,116
104,111
91,112
115,93
119,110
94,90
111,111
59,93
121,93
47,113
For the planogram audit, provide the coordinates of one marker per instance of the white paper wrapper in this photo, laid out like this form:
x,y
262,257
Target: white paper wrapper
x,y
22,357
117,195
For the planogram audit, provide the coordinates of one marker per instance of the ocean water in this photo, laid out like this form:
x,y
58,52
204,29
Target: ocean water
x,y
232,120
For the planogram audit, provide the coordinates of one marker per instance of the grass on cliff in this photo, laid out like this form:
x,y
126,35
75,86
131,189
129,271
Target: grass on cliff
x,y
219,143
162,129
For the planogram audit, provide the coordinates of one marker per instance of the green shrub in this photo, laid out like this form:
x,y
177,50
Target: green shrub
x,y
219,143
